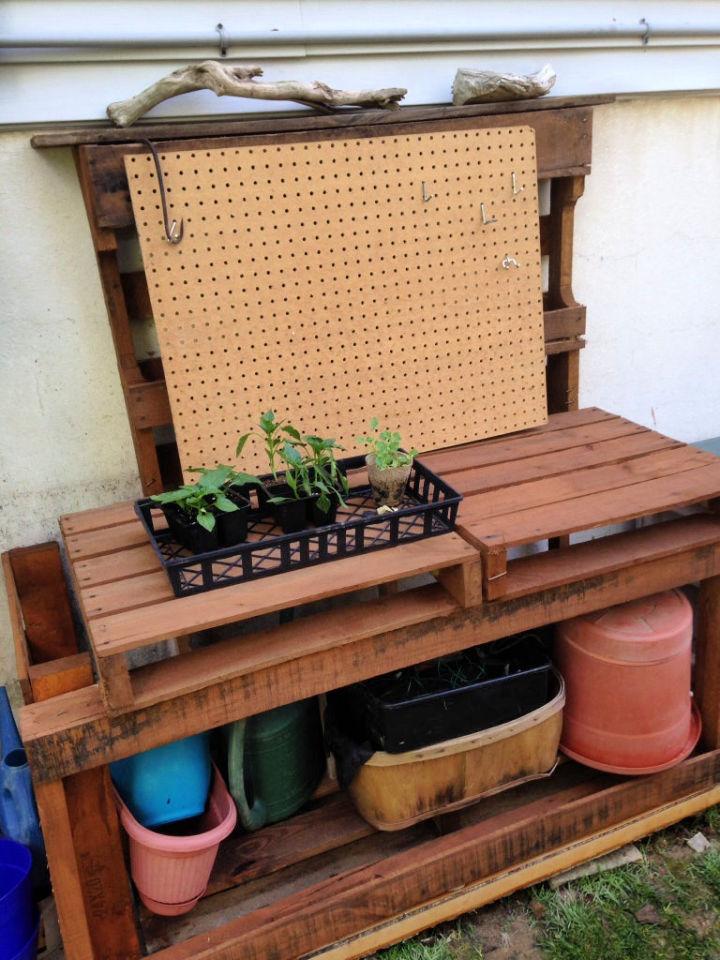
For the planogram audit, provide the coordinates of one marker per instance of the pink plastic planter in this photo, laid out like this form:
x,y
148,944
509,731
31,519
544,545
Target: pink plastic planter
x,y
627,670
172,873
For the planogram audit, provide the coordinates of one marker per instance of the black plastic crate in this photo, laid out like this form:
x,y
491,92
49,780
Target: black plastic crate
x,y
400,711
429,509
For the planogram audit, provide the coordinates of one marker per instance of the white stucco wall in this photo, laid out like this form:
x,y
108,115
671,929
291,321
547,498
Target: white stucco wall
x,y
647,250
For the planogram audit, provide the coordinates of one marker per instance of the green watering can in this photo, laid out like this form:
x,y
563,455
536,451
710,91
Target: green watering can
x,y
275,762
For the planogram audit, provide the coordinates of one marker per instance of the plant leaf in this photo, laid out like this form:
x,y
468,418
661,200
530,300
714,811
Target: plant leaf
x,y
206,520
224,504
241,443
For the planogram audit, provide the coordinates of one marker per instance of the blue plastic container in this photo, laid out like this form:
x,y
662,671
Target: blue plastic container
x,y
18,813
18,917
29,951
166,784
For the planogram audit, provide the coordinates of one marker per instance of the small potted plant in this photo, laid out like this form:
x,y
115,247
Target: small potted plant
x,y
327,480
292,497
388,464
209,513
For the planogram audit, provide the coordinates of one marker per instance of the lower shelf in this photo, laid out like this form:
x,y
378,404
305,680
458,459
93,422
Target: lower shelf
x,y
326,884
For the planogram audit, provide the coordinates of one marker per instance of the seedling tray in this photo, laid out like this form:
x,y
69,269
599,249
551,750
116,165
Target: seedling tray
x,y
428,509
447,698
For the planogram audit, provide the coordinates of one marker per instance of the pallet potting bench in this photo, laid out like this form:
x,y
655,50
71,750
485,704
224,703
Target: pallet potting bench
x,y
324,883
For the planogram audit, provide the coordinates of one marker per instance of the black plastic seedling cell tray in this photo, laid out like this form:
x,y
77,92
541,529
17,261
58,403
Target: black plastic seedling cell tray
x,y
429,509
447,698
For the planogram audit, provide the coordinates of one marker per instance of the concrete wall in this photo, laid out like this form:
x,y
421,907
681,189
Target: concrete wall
x,y
648,245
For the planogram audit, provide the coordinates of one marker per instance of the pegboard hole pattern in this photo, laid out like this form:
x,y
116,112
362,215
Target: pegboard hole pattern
x,y
314,279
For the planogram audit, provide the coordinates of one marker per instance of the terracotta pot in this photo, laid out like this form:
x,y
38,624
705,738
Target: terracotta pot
x,y
170,872
388,486
627,670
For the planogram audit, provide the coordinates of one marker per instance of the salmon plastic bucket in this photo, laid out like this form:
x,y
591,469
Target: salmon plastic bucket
x,y
171,872
627,671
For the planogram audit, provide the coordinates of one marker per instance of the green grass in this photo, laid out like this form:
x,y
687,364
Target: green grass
x,y
595,918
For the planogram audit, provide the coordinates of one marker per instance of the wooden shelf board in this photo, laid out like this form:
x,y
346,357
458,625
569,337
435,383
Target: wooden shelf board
x,y
382,877
223,126
306,658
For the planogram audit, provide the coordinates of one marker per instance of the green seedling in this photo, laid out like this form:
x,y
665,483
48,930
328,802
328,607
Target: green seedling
x,y
385,445
202,499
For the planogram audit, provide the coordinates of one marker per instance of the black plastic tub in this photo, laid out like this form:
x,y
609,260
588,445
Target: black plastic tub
x,y
447,698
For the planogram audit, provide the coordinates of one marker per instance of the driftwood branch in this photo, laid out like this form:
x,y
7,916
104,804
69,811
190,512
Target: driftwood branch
x,y
486,86
236,81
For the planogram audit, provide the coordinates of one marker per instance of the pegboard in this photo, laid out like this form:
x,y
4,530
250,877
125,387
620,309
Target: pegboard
x,y
340,279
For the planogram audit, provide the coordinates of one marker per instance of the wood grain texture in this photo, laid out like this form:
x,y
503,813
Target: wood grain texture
x,y
106,133
319,916
533,871
98,849
60,676
121,632
66,881
76,733
44,604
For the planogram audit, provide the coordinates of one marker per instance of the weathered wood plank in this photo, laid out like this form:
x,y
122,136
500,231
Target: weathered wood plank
x,y
121,632
576,482
597,509
321,915
42,595
563,146
99,854
478,480
599,557
76,733
106,133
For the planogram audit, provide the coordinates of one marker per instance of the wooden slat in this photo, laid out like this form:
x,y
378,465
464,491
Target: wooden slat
x,y
121,632
475,896
108,598
172,130
569,782
22,660
67,885
74,731
97,518
116,566
568,345
42,595
331,824
707,664
107,540
149,404
577,482
565,322
496,476
568,565
98,850
60,676
321,915
530,443
597,510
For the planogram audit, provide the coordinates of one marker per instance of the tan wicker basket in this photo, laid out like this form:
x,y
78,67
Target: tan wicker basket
x,y
395,790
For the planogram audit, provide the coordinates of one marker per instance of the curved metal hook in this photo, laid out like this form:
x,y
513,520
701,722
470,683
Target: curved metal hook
x,y
173,230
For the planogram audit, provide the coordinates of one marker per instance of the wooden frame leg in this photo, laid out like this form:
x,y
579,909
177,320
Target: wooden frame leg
x,y
67,887
99,854
707,660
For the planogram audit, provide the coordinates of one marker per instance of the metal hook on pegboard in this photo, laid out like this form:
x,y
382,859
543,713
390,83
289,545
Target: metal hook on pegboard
x,y
173,230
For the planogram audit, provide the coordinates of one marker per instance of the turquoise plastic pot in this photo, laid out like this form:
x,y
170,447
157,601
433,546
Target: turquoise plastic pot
x,y
166,784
